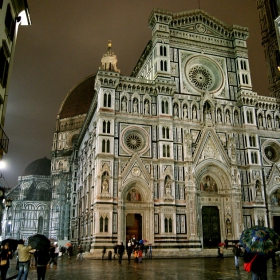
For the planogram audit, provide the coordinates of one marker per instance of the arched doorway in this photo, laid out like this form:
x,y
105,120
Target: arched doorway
x,y
211,226
133,227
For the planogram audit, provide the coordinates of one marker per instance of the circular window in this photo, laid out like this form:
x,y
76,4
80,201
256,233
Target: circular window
x,y
134,141
271,151
202,73
200,77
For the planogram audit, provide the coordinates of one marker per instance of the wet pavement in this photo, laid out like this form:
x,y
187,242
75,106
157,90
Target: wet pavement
x,y
164,269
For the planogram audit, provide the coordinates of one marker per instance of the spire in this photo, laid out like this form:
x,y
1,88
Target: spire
x,y
109,60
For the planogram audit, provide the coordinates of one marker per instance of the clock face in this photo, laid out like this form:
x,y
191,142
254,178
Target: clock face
x,y
135,171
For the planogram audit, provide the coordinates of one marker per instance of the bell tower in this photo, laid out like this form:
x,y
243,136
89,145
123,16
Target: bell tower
x,y
269,11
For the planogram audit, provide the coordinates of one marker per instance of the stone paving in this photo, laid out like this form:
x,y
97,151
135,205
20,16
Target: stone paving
x,y
164,269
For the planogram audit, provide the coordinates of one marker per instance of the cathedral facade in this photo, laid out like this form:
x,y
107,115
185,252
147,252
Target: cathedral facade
x,y
182,153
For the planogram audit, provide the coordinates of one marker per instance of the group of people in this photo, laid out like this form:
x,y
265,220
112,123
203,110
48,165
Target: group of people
x,y
28,257
259,261
135,249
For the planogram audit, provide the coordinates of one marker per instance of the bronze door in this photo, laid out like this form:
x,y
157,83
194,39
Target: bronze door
x,y
211,226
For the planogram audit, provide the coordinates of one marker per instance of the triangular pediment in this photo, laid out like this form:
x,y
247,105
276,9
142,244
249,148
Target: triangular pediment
x,y
210,148
135,170
273,181
198,21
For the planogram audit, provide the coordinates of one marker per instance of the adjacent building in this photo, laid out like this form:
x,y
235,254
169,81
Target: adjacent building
x,y
12,14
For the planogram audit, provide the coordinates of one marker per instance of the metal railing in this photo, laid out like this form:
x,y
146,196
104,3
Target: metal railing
x,y
4,141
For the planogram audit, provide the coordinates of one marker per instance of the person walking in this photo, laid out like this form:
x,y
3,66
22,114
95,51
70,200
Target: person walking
x,y
221,252
5,256
150,251
41,258
129,251
115,251
52,256
80,253
140,255
236,252
24,260
56,253
120,252
103,252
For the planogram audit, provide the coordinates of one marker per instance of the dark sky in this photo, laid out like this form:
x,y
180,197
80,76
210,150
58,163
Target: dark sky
x,y
65,44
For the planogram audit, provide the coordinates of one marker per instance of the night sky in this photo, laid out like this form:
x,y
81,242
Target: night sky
x,y
65,44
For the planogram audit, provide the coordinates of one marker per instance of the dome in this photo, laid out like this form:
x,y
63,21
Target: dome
x,y
78,100
40,166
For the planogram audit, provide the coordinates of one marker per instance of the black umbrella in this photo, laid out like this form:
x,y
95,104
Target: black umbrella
x,y
39,242
13,243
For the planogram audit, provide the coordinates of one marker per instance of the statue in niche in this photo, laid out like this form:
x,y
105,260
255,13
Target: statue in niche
x,y
258,191
105,182
135,106
277,122
133,196
208,184
228,226
168,186
236,118
124,104
176,114
269,122
194,113
185,112
227,117
146,108
260,120
219,116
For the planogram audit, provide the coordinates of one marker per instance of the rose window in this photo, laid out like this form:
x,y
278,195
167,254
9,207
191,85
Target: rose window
x,y
270,153
134,141
200,77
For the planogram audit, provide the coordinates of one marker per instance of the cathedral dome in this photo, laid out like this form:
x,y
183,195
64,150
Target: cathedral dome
x,y
78,100
40,166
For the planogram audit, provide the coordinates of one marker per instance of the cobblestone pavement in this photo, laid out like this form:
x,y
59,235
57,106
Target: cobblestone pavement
x,y
164,269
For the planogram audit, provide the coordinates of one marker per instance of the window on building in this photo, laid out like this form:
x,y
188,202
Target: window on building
x,y
166,151
163,65
252,141
181,224
106,127
164,107
165,132
243,65
168,225
254,158
105,146
162,50
4,65
107,100
9,23
249,116
103,224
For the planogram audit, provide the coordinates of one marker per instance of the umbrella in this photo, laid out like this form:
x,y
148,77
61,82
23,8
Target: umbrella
x,y
68,244
13,243
260,240
143,241
39,242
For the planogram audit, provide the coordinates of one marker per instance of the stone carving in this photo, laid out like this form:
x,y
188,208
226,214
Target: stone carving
x,y
167,187
275,198
124,105
146,109
185,112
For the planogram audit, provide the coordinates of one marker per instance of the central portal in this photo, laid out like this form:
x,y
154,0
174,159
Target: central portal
x,y
211,226
133,227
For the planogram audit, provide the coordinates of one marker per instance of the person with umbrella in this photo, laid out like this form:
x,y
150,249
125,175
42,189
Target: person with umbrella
x,y
42,258
24,260
259,242
5,255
